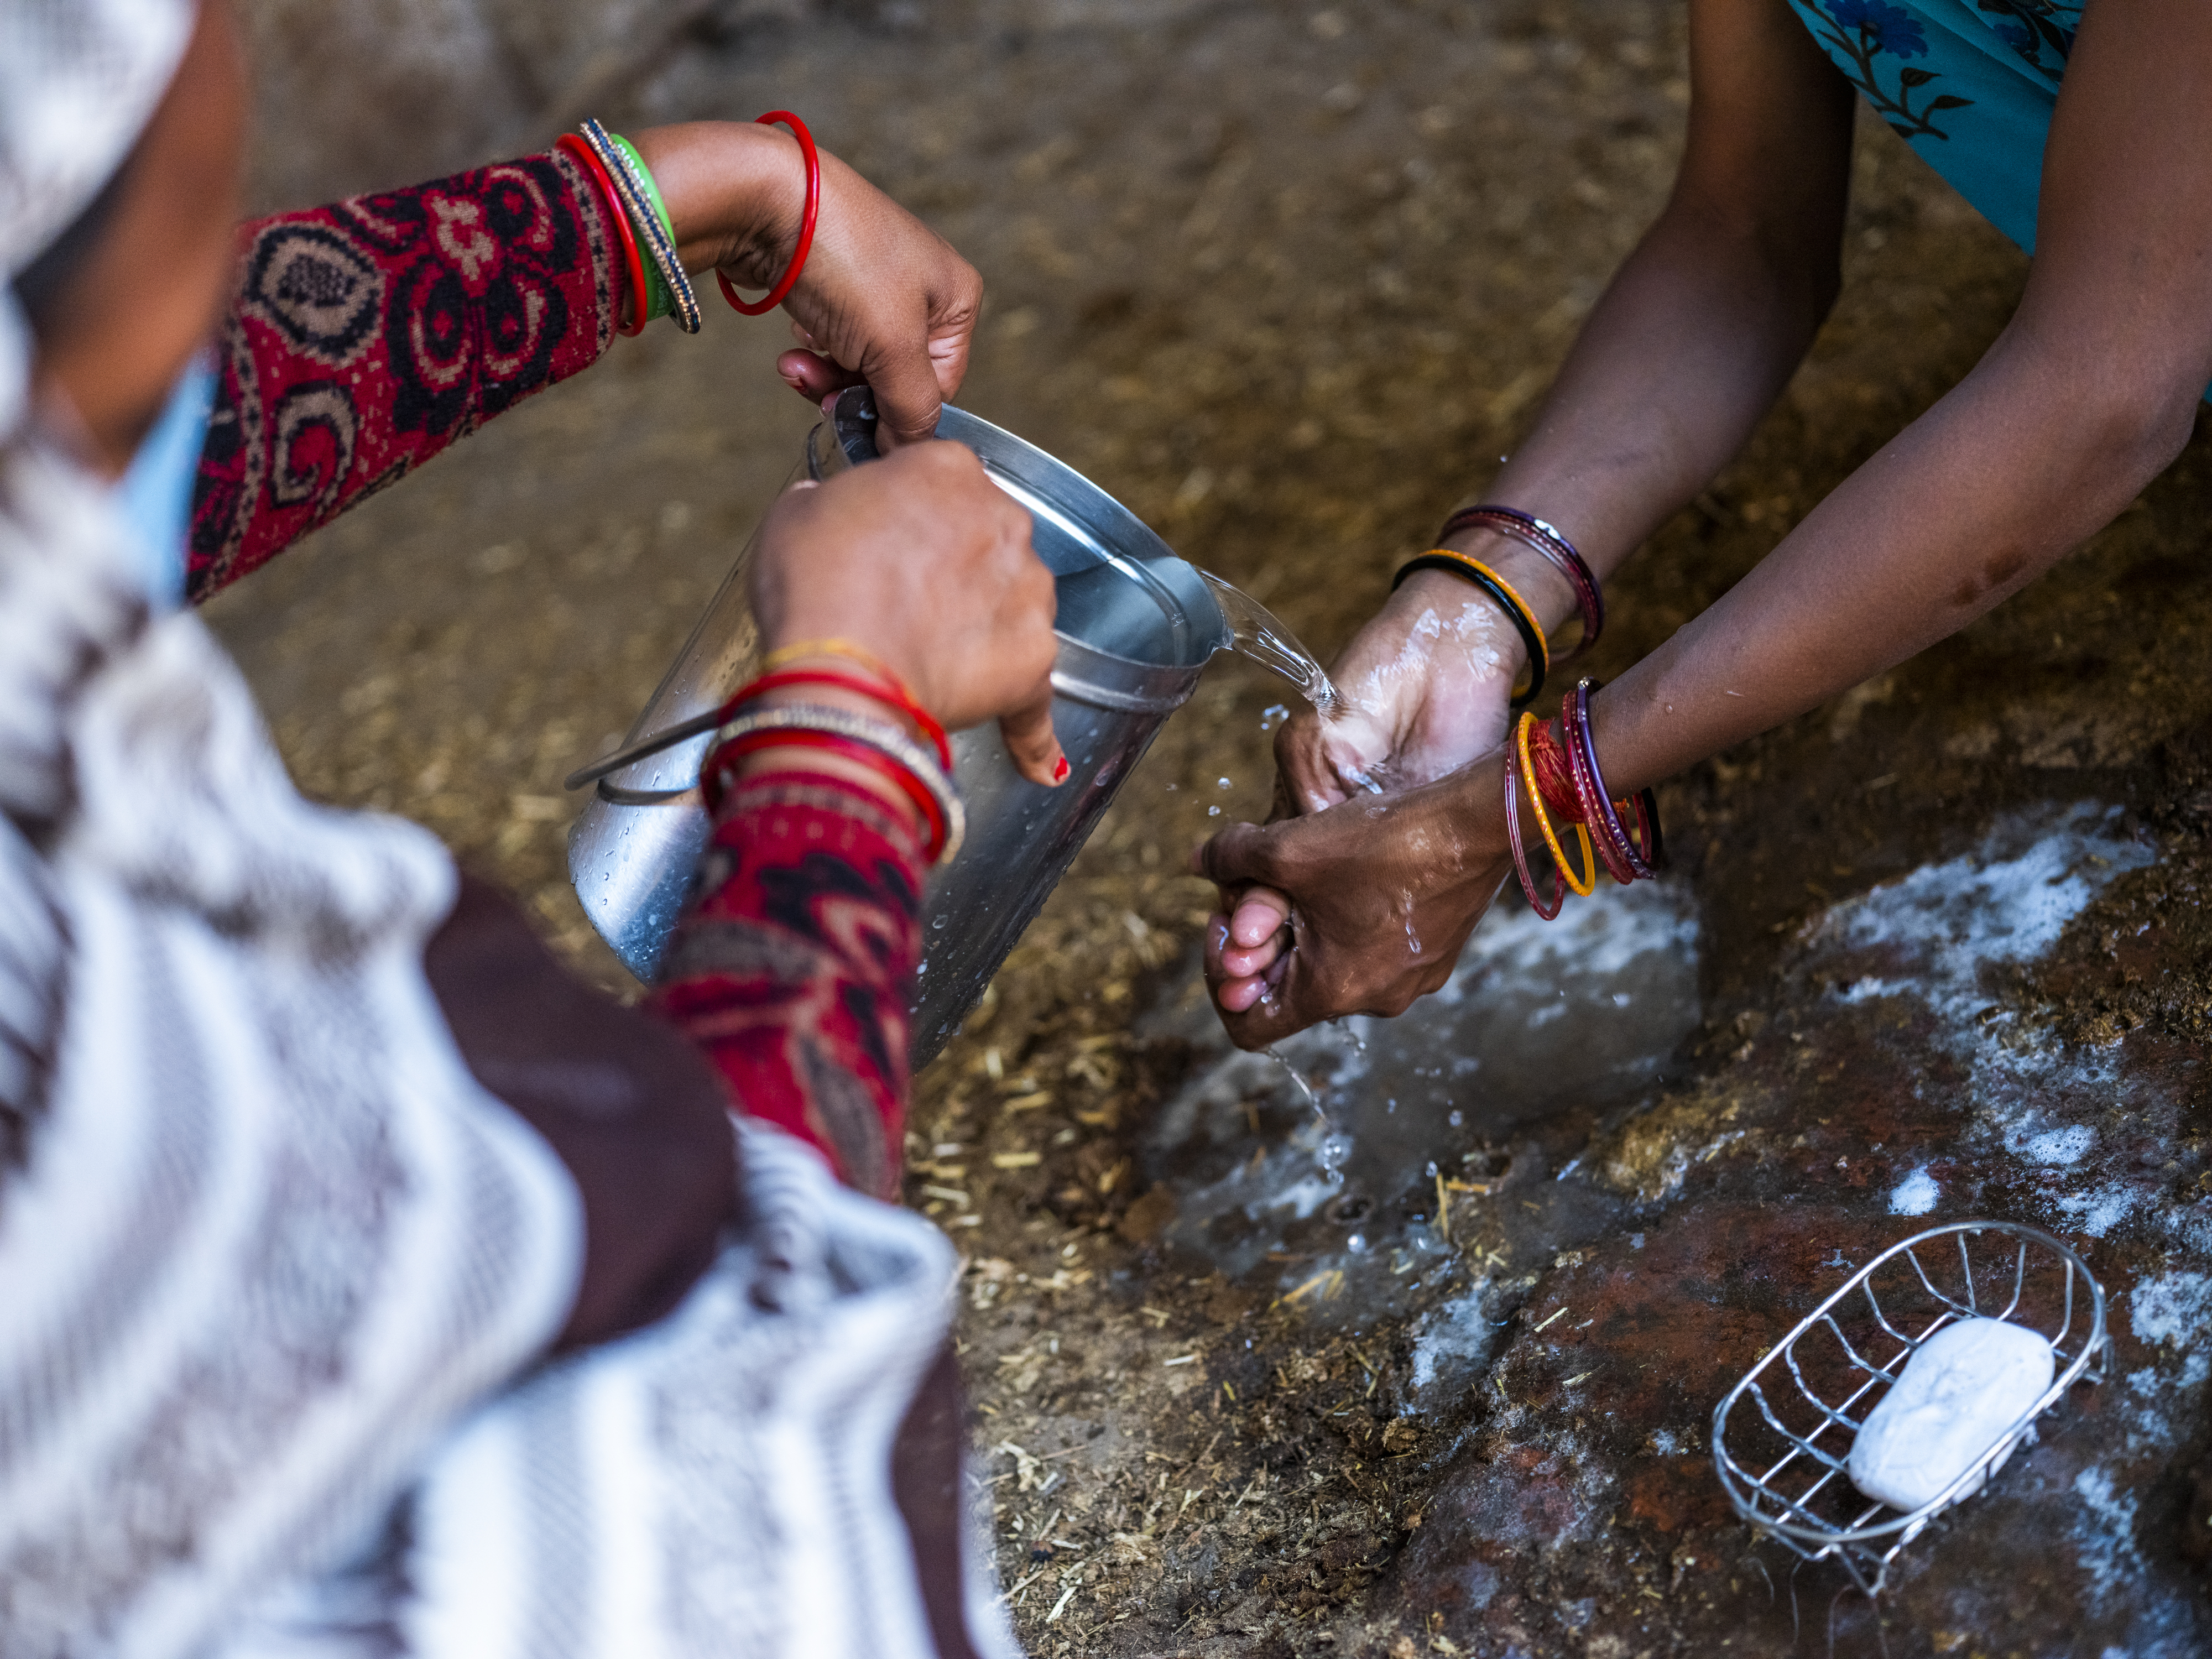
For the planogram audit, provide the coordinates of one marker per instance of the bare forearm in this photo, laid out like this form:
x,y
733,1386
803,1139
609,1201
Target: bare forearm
x,y
1971,503
1692,342
1707,319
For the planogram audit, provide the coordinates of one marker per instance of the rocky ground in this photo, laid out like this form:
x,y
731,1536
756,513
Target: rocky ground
x,y
1286,280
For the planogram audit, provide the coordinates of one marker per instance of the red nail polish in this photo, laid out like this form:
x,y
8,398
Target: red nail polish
x,y
1060,771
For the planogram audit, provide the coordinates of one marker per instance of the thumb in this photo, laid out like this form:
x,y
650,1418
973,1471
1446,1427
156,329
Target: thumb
x,y
1033,744
908,399
1243,855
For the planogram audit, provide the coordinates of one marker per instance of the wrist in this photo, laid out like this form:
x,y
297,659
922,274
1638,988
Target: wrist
x,y
1500,658
735,192
1548,593
809,760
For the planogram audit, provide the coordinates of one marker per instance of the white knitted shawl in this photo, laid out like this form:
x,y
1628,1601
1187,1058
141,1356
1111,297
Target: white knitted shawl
x,y
265,1243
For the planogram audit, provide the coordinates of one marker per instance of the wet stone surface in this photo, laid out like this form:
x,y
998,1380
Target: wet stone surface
x,y
1326,1171
1284,278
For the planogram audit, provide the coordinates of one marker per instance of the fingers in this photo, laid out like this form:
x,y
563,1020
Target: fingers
x,y
948,358
1304,777
1248,950
1234,994
813,376
1032,743
1259,915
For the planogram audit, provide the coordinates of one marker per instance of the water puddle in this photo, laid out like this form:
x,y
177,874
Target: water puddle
x,y
1316,1170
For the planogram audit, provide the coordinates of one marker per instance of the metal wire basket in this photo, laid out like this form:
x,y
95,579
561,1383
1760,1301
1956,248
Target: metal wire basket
x,y
1800,1433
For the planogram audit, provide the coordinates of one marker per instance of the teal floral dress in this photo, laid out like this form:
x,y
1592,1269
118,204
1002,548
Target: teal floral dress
x,y
1970,84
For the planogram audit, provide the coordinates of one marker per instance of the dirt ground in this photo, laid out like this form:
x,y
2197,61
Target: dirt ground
x,y
1287,280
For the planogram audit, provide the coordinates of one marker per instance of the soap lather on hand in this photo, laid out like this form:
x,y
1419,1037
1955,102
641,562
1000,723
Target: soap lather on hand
x,y
1959,1392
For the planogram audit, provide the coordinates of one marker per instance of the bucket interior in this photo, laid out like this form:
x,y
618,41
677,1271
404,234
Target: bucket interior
x,y
1151,609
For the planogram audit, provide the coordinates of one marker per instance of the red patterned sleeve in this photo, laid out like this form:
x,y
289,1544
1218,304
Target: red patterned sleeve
x,y
793,964
368,335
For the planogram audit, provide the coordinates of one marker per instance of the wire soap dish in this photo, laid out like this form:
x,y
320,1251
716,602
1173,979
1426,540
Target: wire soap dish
x,y
1799,1436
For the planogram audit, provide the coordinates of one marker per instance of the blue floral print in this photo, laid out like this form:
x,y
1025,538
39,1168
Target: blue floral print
x,y
2035,28
1857,32
1887,28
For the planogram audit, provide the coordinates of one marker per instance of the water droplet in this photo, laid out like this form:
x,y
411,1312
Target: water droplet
x,y
1221,783
1213,811
1355,1242
1272,716
1457,1118
1431,1170
940,921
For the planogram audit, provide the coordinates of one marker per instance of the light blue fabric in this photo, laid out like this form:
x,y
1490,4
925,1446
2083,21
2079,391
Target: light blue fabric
x,y
155,492
1970,84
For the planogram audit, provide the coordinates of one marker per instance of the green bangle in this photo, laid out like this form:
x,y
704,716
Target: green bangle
x,y
658,304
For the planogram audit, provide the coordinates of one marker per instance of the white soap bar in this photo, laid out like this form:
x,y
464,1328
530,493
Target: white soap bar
x,y
1960,1391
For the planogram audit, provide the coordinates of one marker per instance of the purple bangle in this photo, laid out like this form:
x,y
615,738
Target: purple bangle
x,y
1614,844
1597,811
1556,550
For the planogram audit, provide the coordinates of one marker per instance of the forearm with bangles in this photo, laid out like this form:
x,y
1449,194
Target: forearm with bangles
x,y
791,967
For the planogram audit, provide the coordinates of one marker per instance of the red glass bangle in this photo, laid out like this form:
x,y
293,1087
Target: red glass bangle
x,y
1622,858
912,787
581,153
776,295
1589,792
1521,853
1554,549
1646,805
895,696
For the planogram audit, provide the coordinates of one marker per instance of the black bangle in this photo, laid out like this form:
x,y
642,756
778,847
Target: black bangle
x,y
1531,641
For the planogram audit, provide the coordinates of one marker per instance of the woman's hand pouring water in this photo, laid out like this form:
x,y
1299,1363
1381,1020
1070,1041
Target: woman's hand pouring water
x,y
882,301
1357,895
920,559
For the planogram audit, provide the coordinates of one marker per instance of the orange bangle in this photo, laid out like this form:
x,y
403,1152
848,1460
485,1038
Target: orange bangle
x,y
1528,611
830,648
1588,884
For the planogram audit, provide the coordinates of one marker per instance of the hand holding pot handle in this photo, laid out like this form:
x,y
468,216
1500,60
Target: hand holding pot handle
x,y
920,560
883,299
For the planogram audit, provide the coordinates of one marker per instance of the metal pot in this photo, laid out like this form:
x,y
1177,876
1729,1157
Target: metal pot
x,y
1136,625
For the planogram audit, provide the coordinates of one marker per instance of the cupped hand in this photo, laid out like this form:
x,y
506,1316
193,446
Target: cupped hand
x,y
1383,891
1423,688
883,299
920,560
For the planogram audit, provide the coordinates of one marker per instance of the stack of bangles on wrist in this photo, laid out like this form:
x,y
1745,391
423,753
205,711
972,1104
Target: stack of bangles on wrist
x,y
658,285
1561,776
921,774
1554,549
